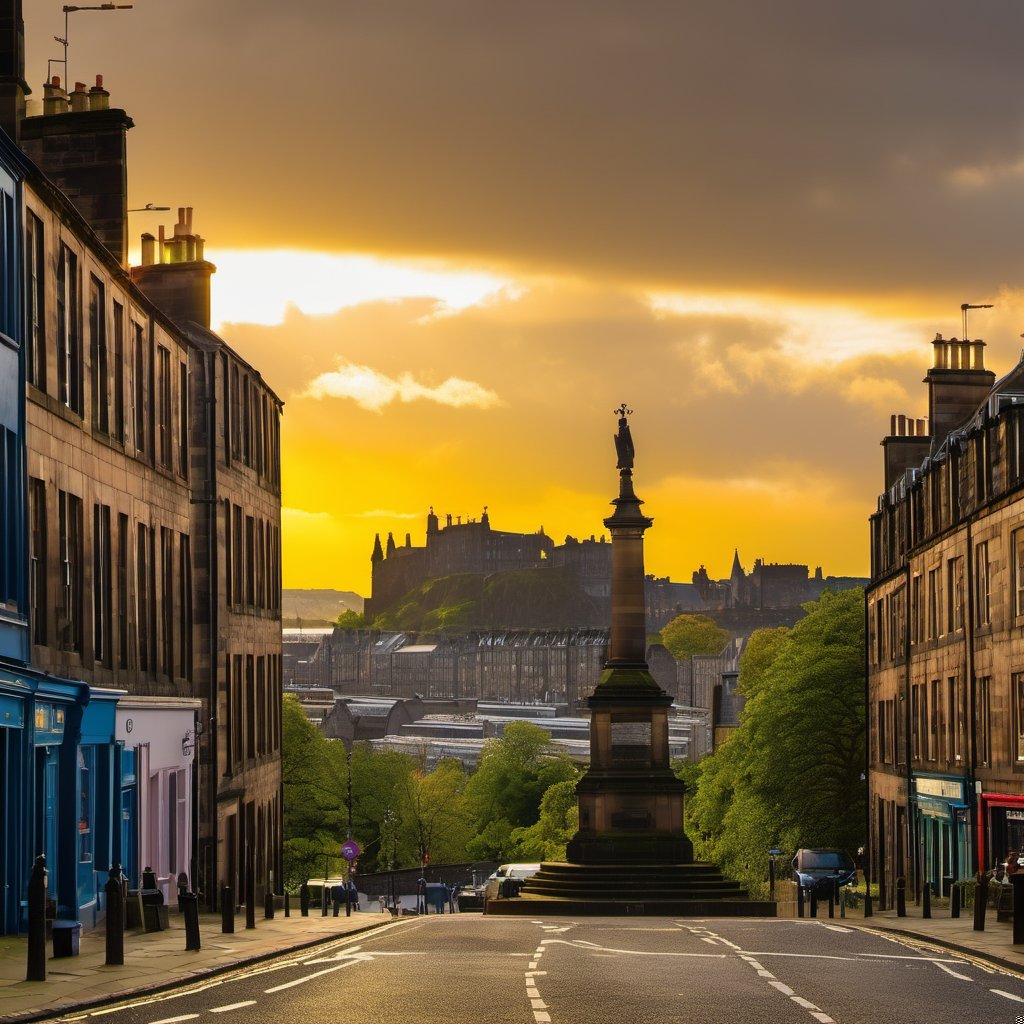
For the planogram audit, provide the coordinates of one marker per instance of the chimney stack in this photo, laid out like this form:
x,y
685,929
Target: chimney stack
x,y
81,144
174,273
13,87
957,384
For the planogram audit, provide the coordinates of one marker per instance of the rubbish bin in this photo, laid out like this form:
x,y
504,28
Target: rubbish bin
x,y
66,935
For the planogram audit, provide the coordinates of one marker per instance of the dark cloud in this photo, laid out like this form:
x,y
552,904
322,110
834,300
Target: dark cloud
x,y
803,146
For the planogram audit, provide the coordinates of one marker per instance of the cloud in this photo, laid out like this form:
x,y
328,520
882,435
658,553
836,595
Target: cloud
x,y
300,514
383,513
373,390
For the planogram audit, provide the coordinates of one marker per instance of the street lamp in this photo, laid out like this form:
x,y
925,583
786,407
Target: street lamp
x,y
69,9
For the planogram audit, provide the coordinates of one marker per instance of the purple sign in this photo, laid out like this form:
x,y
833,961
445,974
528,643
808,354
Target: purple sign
x,y
350,849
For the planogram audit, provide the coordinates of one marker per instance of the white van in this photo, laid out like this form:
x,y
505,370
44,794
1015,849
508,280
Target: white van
x,y
518,871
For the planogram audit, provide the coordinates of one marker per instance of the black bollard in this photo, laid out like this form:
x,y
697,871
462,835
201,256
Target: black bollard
x,y
1017,881
814,902
304,899
832,900
268,904
188,902
227,910
926,900
980,900
287,904
901,897
799,900
954,900
842,902
114,926
37,922
867,897
323,900
771,878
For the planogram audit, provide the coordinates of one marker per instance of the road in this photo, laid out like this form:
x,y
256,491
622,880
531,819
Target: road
x,y
468,969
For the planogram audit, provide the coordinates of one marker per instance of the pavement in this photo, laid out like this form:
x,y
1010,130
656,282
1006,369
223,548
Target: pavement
x,y
158,960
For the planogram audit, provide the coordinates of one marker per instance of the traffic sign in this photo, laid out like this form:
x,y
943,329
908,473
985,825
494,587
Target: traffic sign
x,y
350,849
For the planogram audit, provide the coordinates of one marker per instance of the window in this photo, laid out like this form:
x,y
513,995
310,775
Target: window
x,y
69,345
11,518
236,415
1017,689
983,713
185,605
916,610
70,545
123,628
936,732
236,711
163,405
101,585
982,612
982,468
167,601
934,617
37,559
1018,573
250,560
10,290
35,348
250,706
954,719
139,388
86,802
183,419
955,594
119,424
262,723
236,552
98,355
145,597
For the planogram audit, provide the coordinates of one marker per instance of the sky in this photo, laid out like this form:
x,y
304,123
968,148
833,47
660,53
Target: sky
x,y
455,236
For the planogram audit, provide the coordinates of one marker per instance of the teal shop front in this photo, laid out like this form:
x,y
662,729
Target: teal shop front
x,y
942,820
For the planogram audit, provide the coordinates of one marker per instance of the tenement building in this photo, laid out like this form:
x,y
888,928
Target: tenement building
x,y
151,455
945,611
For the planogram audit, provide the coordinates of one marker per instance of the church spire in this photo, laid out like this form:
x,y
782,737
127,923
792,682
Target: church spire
x,y
378,551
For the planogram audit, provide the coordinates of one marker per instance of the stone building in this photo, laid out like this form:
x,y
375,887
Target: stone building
x,y
945,609
152,459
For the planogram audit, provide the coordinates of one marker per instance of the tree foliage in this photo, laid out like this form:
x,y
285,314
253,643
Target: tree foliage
x,y
791,774
687,635
351,619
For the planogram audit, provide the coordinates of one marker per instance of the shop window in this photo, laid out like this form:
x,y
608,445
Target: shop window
x,y
86,803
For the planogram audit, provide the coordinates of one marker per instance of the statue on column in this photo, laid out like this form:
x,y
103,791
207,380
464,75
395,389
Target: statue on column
x,y
624,440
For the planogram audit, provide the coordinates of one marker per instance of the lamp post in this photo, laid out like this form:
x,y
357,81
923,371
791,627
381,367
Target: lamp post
x,y
70,9
348,860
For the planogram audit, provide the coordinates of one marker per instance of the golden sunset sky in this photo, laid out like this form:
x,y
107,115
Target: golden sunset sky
x,y
454,236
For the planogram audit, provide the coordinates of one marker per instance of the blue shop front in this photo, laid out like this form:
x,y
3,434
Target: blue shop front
x,y
942,820
59,763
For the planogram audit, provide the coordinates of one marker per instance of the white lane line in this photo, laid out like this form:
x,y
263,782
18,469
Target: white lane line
x,y
710,942
174,1020
232,1006
784,989
836,928
952,973
532,993
538,1004
531,973
532,965
1006,995
301,981
541,1017
823,1017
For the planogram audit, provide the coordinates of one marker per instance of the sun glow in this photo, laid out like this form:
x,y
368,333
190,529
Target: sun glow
x,y
257,286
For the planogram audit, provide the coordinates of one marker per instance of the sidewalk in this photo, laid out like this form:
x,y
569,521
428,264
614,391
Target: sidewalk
x,y
994,944
156,960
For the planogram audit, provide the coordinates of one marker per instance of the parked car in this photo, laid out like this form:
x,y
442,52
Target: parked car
x,y
820,870
508,880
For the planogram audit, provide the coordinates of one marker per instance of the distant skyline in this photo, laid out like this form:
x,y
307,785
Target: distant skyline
x,y
454,236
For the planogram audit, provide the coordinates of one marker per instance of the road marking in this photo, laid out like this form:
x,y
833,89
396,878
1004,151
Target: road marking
x,y
588,947
232,1006
532,965
302,981
532,993
530,974
541,1017
952,973
1006,995
186,1016
539,1004
784,989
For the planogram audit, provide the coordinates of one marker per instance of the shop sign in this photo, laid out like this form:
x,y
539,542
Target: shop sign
x,y
1012,815
944,789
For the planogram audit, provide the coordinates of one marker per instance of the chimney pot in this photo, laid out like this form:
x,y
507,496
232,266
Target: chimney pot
x,y
99,81
892,425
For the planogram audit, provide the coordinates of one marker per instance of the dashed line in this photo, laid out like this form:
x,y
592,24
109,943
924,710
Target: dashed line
x,y
1006,995
232,1006
297,981
951,972
784,989
174,1020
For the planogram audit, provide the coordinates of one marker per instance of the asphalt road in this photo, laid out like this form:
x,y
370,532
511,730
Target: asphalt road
x,y
467,969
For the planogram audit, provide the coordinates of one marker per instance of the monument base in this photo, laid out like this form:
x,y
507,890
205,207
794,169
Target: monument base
x,y
591,890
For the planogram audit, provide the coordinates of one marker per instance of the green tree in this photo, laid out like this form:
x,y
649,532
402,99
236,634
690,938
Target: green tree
x,y
351,619
314,779
687,635
559,820
434,813
790,775
505,791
